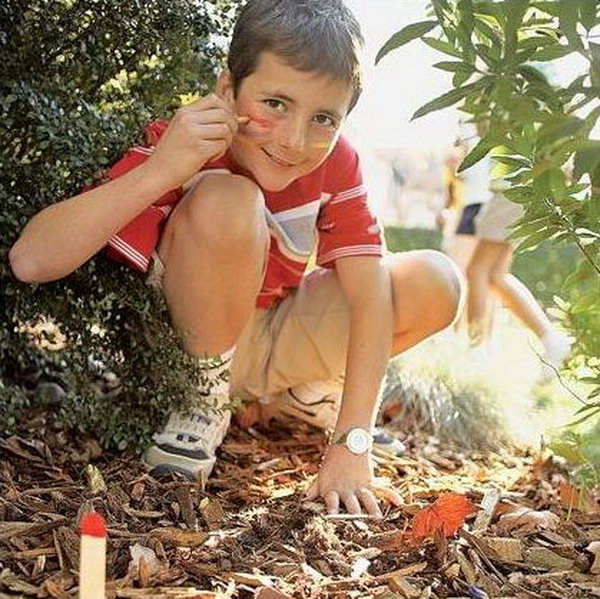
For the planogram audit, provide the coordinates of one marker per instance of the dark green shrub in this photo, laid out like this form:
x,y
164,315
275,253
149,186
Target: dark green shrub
x,y
79,79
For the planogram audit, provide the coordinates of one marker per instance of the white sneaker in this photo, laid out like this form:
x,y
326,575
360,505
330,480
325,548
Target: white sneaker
x,y
557,346
188,442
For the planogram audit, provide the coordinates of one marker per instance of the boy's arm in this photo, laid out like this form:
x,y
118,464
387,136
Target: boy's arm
x,y
64,235
344,477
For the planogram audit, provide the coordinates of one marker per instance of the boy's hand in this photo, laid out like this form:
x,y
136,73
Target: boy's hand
x,y
345,478
198,133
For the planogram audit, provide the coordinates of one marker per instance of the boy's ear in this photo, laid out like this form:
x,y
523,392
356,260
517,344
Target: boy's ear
x,y
224,88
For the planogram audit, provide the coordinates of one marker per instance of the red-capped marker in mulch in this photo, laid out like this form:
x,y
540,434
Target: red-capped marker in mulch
x,y
92,564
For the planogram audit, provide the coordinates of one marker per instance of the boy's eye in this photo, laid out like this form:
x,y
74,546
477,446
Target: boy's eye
x,y
275,104
325,120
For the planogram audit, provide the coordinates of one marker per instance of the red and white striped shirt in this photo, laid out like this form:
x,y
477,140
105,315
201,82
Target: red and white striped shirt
x,y
325,210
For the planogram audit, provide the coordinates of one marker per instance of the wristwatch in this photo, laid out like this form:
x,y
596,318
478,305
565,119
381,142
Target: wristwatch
x,y
357,440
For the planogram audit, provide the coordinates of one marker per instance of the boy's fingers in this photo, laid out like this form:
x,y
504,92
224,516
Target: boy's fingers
x,y
210,101
352,504
215,116
370,502
332,501
214,131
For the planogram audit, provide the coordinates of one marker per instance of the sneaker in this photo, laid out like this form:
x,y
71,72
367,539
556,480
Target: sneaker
x,y
387,443
557,346
316,403
187,444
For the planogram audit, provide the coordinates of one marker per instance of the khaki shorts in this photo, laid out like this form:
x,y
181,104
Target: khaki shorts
x,y
496,218
302,339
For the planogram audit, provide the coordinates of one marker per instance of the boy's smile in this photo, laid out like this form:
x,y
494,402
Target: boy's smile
x,y
295,118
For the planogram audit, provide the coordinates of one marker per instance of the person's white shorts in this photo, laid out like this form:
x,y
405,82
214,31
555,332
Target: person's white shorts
x,y
496,218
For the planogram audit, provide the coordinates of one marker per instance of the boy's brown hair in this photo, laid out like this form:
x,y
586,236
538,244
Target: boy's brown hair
x,y
309,35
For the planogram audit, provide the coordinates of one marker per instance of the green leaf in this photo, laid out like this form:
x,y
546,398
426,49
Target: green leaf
x,y
450,98
476,154
466,26
586,159
568,18
588,13
519,194
533,240
455,67
486,54
595,66
515,12
405,35
442,46
553,52
584,418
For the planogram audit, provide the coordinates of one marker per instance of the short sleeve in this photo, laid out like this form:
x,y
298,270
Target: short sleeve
x,y
346,225
135,242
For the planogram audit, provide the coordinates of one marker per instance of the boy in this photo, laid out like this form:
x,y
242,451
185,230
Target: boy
x,y
249,180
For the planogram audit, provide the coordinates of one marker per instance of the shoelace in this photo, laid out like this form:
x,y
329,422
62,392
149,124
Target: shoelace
x,y
201,428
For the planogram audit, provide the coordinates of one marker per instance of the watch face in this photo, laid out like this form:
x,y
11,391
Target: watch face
x,y
358,440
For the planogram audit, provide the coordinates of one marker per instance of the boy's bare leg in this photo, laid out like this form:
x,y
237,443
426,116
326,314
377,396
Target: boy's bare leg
x,y
427,295
214,249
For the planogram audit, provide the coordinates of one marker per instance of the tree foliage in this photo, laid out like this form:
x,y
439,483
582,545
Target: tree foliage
x,y
79,79
497,51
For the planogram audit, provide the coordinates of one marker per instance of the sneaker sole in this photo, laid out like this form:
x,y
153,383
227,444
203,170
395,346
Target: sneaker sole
x,y
161,462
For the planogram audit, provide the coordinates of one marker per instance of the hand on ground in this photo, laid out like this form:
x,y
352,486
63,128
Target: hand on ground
x,y
347,480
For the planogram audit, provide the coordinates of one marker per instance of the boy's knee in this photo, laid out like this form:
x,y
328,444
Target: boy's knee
x,y
447,285
225,208
434,283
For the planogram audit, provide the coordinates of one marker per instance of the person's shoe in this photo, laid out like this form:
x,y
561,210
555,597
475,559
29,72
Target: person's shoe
x,y
557,346
187,444
316,403
386,442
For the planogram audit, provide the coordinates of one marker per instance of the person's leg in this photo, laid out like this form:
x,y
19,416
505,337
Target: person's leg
x,y
214,249
520,301
460,250
515,295
485,257
305,372
213,253
427,292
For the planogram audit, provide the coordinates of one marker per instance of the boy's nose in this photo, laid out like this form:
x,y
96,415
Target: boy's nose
x,y
294,138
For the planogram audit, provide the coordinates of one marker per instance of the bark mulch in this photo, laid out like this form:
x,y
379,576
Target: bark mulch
x,y
247,532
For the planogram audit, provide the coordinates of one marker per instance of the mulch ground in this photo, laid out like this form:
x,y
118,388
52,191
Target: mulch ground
x,y
247,532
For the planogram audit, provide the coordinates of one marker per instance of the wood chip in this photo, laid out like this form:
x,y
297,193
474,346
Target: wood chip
x,y
408,571
489,504
95,479
594,548
503,549
212,512
405,588
186,504
545,558
525,520
269,593
178,537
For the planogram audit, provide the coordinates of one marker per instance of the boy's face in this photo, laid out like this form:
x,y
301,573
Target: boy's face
x,y
295,120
